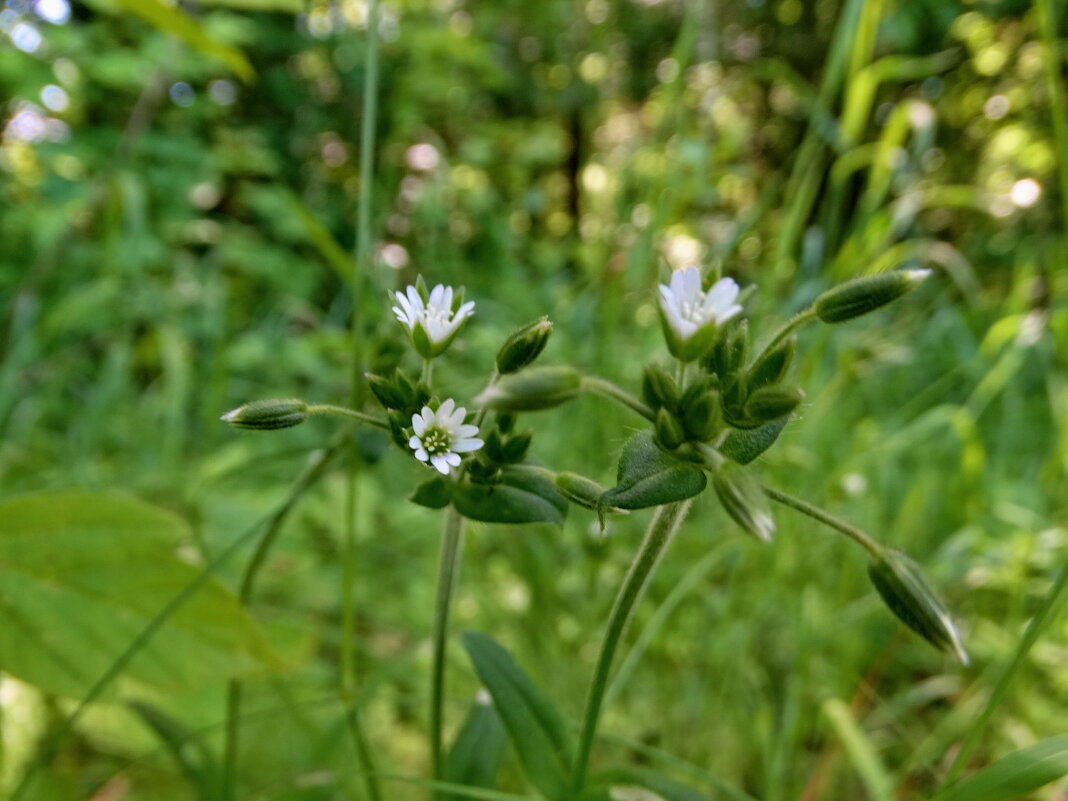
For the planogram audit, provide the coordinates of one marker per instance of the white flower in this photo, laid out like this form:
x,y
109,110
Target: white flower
x,y
433,324
690,316
441,436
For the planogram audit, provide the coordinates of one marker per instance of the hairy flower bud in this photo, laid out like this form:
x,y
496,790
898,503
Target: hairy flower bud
x,y
579,490
668,431
901,584
771,403
268,415
772,366
700,417
862,295
532,390
524,346
658,388
744,500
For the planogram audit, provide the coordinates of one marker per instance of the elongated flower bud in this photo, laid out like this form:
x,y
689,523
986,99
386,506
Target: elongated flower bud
x,y
901,583
658,388
524,346
862,295
268,415
772,366
532,389
771,403
744,500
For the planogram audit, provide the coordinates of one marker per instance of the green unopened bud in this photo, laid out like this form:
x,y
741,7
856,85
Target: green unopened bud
x,y
729,354
515,449
524,346
668,431
903,587
658,388
579,490
268,415
744,500
531,390
385,392
772,366
862,295
700,417
771,403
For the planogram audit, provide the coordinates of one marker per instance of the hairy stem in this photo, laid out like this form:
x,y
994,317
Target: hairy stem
x,y
658,536
804,507
342,411
785,330
606,389
452,534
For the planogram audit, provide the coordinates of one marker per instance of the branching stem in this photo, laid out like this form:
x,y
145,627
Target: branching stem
x,y
606,389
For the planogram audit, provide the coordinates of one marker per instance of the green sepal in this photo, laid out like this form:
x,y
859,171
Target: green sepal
x,y
902,585
421,342
669,433
422,289
658,388
744,446
516,447
433,494
386,392
520,495
701,416
772,366
647,476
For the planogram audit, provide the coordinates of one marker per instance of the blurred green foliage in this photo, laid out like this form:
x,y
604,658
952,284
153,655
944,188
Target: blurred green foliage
x,y
178,205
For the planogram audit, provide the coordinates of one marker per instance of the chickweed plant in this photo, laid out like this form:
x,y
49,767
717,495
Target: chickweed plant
x,y
711,406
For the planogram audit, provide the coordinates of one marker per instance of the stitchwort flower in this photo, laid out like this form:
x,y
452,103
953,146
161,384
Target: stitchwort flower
x,y
433,322
441,436
691,317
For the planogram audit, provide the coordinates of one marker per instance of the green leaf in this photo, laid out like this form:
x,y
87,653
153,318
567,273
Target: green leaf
x,y
536,730
1014,775
177,23
649,477
651,781
286,6
475,756
745,446
521,496
193,759
433,494
82,574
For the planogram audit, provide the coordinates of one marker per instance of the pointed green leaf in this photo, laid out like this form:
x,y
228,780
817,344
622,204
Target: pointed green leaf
x,y
475,756
1014,775
521,495
82,574
649,477
433,494
745,446
536,730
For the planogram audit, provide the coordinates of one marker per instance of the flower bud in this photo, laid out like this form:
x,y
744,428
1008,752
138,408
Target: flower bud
x,y
700,417
268,415
658,388
668,431
728,355
903,587
531,390
862,295
771,403
744,500
772,366
579,490
524,346
385,392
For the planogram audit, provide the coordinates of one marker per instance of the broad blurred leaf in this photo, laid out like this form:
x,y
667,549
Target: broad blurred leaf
x,y
475,756
649,477
521,496
1014,775
537,733
82,574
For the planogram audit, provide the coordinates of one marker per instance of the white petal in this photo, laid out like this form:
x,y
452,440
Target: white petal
x,y
467,445
414,299
440,464
677,286
681,326
722,317
419,424
402,316
435,296
422,455
456,419
466,431
722,294
445,410
466,310
446,299
691,280
453,459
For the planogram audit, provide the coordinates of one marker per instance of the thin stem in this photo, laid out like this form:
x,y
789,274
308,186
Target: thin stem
x,y
804,507
343,411
1047,613
658,536
606,389
448,570
786,329
428,371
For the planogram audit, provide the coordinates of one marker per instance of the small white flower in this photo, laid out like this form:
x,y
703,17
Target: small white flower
x,y
433,324
441,436
691,316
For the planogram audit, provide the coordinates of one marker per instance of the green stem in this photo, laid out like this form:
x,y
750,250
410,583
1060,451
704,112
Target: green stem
x,y
658,536
804,507
606,389
1047,25
1047,613
786,329
448,571
343,411
428,371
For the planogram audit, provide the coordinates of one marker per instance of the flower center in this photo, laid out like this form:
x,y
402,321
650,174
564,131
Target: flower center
x,y
436,440
692,308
